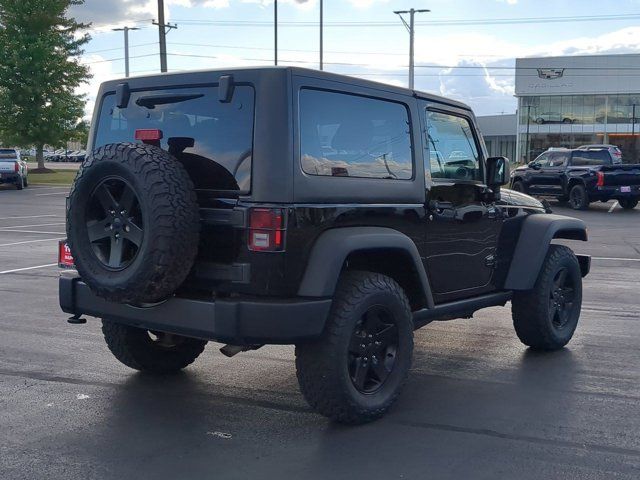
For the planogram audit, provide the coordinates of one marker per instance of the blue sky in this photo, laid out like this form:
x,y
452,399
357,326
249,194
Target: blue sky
x,y
373,43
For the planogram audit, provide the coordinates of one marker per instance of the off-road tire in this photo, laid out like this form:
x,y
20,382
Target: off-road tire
x,y
169,210
531,309
322,366
578,197
518,186
20,183
135,348
628,203
25,182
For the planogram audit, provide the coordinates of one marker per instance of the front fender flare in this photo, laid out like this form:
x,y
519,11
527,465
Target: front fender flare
x,y
533,243
333,247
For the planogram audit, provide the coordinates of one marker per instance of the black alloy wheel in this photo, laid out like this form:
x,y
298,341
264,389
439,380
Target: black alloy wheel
x,y
373,349
561,298
578,198
114,223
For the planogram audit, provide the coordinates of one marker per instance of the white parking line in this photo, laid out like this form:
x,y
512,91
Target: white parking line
x,y
27,216
31,231
29,226
617,258
31,241
28,268
54,193
33,187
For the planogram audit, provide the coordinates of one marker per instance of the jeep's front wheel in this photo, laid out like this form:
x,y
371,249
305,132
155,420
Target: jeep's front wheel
x,y
355,371
147,351
546,317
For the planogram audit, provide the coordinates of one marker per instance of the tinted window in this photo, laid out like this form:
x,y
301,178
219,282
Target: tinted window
x,y
221,133
558,159
452,148
543,160
591,157
351,136
8,153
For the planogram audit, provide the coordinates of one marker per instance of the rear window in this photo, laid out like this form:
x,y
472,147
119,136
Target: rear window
x,y
591,157
8,153
345,135
221,133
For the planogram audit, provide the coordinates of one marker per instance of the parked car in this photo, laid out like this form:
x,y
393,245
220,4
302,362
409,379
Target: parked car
x,y
580,176
13,169
554,117
322,227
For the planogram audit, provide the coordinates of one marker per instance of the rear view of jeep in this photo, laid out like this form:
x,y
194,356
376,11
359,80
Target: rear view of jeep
x,y
285,206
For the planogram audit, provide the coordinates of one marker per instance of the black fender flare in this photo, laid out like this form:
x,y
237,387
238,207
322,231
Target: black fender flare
x,y
533,243
332,248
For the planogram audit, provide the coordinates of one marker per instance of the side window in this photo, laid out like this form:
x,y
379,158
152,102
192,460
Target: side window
x,y
345,135
452,150
558,159
544,160
591,157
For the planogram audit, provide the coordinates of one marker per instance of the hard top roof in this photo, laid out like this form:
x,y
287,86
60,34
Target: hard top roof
x,y
306,72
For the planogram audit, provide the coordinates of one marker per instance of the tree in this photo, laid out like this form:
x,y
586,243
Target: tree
x,y
40,72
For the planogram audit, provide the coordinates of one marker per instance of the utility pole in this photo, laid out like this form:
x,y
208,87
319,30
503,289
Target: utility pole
x,y
321,27
163,29
411,29
126,46
275,32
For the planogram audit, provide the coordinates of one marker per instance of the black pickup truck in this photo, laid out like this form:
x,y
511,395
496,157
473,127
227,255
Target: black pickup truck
x,y
580,176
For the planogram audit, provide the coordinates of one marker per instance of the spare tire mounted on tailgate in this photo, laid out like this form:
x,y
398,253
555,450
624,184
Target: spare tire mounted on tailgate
x,y
133,223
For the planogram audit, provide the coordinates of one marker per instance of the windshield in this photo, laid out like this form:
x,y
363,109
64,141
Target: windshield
x,y
211,138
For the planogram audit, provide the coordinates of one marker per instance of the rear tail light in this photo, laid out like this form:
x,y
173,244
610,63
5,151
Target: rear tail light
x,y
266,229
149,136
600,182
65,259
16,167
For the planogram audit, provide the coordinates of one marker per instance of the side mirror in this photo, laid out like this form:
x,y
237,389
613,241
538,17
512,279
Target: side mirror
x,y
497,172
534,165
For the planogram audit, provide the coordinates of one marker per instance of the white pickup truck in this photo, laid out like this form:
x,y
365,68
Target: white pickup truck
x,y
12,168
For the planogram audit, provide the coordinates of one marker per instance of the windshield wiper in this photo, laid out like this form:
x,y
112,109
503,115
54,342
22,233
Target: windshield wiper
x,y
150,101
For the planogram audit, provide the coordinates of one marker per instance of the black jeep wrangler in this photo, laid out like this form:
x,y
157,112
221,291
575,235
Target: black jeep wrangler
x,y
289,206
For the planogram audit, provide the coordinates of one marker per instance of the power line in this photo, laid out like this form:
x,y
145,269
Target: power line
x,y
433,23
119,48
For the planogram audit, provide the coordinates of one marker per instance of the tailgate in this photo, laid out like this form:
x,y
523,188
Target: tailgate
x,y
7,166
621,175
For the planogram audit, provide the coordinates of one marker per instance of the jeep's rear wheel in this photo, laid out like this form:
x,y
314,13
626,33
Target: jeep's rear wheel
x,y
546,317
355,371
133,223
147,351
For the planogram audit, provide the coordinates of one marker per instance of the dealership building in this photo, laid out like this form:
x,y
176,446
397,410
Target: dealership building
x,y
578,100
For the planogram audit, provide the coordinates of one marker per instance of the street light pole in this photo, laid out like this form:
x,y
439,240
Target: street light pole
x,y
321,27
411,28
126,46
275,32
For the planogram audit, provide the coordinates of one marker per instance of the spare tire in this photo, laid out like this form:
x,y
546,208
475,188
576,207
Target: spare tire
x,y
133,223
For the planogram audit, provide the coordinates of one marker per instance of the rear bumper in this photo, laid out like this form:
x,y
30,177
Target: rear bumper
x,y
9,177
243,321
609,192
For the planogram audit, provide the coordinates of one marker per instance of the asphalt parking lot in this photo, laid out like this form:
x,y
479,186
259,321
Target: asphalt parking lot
x,y
478,404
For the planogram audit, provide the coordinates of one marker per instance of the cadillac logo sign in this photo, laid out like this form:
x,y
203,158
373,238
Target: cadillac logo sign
x,y
550,73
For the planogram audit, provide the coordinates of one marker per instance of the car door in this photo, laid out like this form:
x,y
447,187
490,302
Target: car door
x,y
534,179
462,227
549,177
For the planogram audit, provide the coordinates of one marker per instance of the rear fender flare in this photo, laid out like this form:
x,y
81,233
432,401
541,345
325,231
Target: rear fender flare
x,y
533,243
332,248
